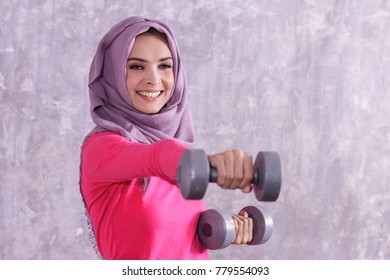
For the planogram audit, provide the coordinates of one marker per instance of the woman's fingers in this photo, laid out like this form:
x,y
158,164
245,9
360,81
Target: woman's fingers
x,y
243,228
235,169
248,173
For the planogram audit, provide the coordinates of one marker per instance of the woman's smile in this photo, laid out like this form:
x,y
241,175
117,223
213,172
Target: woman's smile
x,y
150,94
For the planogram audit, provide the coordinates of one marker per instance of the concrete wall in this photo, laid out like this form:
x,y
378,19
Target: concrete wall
x,y
307,78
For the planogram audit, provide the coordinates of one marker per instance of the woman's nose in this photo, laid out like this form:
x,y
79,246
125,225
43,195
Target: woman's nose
x,y
152,77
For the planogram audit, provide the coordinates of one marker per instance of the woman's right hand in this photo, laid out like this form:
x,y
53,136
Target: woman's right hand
x,y
235,169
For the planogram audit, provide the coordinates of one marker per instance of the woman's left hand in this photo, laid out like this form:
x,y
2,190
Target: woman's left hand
x,y
243,228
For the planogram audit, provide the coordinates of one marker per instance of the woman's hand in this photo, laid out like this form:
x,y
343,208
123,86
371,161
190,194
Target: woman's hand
x,y
235,169
244,228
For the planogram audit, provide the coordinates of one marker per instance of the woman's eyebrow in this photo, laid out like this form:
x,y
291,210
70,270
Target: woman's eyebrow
x,y
144,60
166,58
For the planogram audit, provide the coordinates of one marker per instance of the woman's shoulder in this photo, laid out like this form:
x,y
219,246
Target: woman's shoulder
x,y
101,138
105,135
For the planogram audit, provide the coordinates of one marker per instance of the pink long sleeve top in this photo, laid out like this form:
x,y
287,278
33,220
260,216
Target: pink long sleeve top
x,y
130,222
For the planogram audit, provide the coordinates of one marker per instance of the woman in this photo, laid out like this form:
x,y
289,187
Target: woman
x,y
139,103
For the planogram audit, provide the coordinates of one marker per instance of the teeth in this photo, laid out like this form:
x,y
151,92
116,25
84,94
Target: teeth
x,y
149,94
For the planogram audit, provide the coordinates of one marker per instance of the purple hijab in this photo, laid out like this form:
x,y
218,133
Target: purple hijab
x,y
111,108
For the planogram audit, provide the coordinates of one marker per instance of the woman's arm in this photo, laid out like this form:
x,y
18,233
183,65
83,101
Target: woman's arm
x,y
108,157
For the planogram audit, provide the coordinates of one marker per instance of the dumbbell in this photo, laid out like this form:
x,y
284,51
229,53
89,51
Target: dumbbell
x,y
194,173
216,227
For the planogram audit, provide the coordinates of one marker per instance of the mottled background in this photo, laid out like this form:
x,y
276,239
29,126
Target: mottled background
x,y
307,78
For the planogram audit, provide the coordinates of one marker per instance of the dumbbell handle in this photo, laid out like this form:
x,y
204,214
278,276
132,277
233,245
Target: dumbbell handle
x,y
214,175
266,178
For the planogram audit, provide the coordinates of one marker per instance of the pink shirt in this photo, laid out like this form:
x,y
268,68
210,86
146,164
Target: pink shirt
x,y
129,222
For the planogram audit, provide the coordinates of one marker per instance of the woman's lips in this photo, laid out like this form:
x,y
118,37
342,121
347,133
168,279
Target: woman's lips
x,y
150,94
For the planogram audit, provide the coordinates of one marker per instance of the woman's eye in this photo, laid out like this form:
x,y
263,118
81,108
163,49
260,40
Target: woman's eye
x,y
165,66
135,67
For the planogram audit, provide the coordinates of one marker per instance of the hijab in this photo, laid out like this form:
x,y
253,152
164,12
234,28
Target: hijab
x,y
111,107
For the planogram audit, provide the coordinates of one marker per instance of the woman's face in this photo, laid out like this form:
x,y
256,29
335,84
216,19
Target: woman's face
x,y
149,75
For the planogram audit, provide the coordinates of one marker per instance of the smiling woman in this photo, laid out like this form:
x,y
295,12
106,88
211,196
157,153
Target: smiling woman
x,y
130,159
150,76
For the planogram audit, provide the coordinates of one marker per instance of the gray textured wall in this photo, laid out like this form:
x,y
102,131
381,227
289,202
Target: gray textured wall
x,y
306,78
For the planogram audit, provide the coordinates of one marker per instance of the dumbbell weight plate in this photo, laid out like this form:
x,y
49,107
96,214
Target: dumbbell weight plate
x,y
216,229
268,178
193,174
262,224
